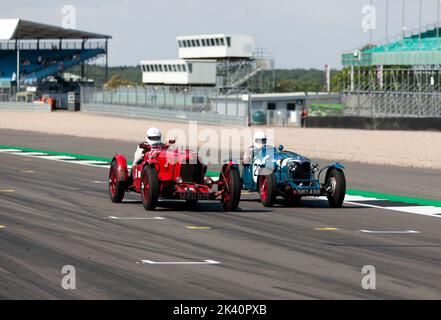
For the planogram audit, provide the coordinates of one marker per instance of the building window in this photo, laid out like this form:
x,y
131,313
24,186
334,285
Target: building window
x,y
271,106
222,41
217,42
190,67
198,43
160,67
203,42
212,42
174,68
179,68
229,41
291,107
184,68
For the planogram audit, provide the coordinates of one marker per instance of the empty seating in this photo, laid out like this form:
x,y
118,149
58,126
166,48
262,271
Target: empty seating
x,y
39,64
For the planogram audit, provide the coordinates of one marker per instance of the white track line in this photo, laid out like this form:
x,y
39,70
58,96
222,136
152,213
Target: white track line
x,y
57,158
29,154
390,232
147,218
423,210
205,262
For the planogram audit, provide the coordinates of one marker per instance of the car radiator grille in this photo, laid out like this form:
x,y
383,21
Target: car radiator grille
x,y
302,172
192,173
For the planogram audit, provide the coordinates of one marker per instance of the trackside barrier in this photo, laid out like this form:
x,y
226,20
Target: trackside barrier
x,y
164,114
23,106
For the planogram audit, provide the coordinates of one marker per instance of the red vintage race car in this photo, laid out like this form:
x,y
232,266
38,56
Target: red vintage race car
x,y
167,172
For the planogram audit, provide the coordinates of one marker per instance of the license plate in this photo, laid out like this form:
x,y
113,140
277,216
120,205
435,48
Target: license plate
x,y
195,196
307,192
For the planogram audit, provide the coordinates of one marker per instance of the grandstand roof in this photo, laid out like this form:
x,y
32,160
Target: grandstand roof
x,y
12,29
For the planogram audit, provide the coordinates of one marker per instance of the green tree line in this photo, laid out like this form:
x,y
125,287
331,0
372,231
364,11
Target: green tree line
x,y
282,80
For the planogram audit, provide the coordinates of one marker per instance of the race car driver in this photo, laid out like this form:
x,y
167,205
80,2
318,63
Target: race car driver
x,y
153,139
259,142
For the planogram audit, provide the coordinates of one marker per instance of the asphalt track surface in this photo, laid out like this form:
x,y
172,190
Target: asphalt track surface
x,y
58,214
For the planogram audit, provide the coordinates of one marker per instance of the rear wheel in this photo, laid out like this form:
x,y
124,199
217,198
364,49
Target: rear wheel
x,y
337,182
149,188
267,190
232,189
116,187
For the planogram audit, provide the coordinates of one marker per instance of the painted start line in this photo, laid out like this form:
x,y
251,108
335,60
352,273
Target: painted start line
x,y
393,203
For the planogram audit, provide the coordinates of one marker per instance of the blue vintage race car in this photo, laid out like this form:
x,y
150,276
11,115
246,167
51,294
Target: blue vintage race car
x,y
276,172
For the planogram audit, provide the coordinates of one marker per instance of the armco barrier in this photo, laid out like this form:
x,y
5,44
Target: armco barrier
x,y
432,124
164,115
23,106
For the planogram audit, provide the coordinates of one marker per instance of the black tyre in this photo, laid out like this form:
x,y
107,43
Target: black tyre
x,y
149,188
233,188
116,187
268,190
337,182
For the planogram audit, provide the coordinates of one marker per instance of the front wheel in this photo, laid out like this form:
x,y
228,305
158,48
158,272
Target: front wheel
x,y
268,189
232,189
336,181
116,187
149,188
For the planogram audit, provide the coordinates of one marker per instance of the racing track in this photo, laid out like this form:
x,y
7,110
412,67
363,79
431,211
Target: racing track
x,y
55,214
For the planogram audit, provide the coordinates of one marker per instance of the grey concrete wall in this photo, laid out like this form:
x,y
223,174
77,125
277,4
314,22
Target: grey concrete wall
x,y
23,106
164,115
428,124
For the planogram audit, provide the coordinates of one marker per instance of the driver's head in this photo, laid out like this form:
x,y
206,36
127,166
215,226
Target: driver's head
x,y
153,136
259,139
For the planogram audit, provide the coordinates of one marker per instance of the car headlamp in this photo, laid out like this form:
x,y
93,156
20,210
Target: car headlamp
x,y
208,181
179,180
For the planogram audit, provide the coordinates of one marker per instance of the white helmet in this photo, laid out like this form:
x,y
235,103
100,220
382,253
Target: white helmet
x,y
153,136
259,139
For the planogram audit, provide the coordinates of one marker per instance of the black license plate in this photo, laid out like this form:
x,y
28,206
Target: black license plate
x,y
308,192
195,196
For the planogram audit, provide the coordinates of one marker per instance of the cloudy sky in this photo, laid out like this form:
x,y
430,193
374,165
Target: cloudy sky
x,y
301,33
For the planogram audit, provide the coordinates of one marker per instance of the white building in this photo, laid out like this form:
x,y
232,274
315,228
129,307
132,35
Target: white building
x,y
216,46
179,72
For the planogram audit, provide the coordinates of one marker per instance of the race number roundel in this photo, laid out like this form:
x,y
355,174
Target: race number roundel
x,y
256,166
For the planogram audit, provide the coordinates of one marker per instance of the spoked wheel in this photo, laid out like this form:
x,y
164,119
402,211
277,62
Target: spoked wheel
x,y
267,190
337,182
116,187
232,189
149,188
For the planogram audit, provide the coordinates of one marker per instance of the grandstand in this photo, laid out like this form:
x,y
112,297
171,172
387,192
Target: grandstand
x,y
31,52
400,78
